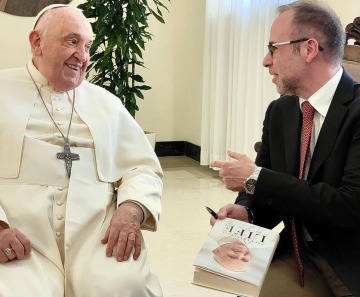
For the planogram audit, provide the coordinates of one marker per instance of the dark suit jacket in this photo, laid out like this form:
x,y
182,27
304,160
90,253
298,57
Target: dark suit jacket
x,y
328,202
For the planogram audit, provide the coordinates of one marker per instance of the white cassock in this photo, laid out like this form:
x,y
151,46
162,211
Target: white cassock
x,y
65,219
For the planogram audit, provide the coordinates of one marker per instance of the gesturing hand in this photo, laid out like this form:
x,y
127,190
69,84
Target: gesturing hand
x,y
124,230
234,173
13,245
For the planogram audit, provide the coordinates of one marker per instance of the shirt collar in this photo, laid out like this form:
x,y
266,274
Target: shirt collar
x,y
36,74
321,99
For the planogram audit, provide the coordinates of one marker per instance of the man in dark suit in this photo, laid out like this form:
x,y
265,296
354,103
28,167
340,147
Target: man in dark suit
x,y
304,58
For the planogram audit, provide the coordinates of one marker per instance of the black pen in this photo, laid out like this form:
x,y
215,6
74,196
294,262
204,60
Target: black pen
x,y
213,213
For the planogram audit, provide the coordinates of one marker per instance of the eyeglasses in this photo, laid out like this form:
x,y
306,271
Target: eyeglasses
x,y
273,46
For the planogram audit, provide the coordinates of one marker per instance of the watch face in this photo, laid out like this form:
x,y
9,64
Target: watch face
x,y
250,185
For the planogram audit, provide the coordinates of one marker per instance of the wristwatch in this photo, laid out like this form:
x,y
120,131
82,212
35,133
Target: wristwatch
x,y
250,182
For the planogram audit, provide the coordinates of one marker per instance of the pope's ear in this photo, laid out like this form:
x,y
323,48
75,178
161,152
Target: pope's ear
x,y
34,38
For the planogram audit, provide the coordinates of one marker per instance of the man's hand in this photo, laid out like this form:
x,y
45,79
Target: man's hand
x,y
235,173
124,230
233,211
17,242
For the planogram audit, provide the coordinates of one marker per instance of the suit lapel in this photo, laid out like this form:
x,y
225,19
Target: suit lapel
x,y
292,130
331,126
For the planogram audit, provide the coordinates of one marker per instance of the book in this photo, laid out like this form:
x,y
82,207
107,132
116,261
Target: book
x,y
235,257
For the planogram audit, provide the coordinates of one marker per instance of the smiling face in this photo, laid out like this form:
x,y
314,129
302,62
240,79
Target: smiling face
x,y
60,44
234,256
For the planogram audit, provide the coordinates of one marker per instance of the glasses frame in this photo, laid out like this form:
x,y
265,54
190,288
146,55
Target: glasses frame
x,y
273,46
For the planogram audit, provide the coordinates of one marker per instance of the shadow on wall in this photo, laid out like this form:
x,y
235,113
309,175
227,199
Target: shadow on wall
x,y
27,7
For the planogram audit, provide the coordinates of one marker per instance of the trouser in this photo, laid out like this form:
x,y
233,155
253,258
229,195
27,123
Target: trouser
x,y
282,279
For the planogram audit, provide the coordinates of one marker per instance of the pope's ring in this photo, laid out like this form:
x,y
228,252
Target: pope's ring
x,y
8,251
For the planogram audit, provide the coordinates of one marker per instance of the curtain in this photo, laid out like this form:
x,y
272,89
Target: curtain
x,y
236,87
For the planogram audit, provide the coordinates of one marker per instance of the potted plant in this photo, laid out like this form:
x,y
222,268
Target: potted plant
x,y
121,32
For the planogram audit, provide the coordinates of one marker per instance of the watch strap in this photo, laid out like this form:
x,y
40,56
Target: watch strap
x,y
256,173
253,177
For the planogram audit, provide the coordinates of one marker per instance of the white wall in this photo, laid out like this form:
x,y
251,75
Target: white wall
x,y
346,9
15,49
173,58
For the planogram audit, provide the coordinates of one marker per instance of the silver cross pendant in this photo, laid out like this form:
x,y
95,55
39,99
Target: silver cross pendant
x,y
68,157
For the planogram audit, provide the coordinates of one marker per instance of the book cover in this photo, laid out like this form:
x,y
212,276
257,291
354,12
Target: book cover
x,y
235,257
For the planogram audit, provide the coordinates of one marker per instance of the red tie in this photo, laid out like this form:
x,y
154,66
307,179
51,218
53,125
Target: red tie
x,y
307,123
308,115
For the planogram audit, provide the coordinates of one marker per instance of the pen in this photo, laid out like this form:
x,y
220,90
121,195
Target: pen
x,y
213,213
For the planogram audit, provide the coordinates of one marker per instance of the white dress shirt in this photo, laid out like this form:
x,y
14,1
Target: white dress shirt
x,y
321,101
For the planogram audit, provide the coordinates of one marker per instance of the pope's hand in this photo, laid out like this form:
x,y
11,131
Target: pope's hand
x,y
14,245
235,173
124,232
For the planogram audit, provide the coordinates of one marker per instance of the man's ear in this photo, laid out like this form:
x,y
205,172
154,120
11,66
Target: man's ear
x,y
312,49
34,38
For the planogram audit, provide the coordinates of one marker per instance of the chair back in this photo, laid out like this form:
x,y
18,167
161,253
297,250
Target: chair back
x,y
351,61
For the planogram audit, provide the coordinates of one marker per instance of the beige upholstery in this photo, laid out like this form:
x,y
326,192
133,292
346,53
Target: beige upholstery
x,y
351,61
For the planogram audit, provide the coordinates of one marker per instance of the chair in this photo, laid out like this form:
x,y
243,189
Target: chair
x,y
351,61
257,146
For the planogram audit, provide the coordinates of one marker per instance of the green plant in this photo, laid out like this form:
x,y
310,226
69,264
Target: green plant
x,y
121,31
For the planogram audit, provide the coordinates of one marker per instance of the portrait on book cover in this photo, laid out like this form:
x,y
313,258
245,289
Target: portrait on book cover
x,y
235,257
27,7
232,254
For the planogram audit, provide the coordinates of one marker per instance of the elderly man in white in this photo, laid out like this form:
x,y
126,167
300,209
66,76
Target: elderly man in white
x,y
78,177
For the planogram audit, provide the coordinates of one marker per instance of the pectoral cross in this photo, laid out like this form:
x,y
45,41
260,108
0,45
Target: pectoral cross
x,y
68,157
